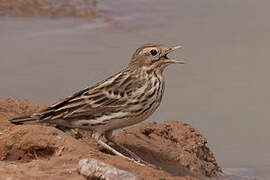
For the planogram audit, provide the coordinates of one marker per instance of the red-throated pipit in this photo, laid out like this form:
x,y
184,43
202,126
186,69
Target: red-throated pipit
x,y
123,99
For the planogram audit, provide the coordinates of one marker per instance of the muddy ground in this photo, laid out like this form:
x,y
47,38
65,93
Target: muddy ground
x,y
45,152
50,8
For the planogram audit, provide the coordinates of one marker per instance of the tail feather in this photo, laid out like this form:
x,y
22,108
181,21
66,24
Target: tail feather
x,y
22,120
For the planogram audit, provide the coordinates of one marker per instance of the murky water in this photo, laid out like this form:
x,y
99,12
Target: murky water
x,y
223,90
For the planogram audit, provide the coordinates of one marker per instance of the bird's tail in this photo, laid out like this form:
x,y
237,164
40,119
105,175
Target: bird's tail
x,y
23,120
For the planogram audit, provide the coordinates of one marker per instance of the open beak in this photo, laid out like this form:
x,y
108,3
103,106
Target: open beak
x,y
173,60
174,48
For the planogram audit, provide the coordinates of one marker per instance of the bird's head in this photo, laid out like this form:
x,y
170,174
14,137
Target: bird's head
x,y
153,56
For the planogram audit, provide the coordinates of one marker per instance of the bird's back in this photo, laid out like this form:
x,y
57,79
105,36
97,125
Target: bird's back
x,y
123,99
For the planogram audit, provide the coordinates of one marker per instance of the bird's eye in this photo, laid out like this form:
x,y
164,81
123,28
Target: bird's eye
x,y
153,52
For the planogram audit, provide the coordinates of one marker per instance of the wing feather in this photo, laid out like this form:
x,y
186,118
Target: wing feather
x,y
110,95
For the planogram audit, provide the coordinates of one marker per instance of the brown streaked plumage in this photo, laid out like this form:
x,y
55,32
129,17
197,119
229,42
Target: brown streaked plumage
x,y
123,99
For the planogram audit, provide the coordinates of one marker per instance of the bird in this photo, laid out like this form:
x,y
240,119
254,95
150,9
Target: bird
x,y
124,99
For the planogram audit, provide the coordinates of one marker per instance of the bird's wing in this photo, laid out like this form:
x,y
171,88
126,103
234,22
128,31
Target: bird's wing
x,y
110,95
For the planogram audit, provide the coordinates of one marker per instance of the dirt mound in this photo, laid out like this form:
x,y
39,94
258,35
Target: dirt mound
x,y
35,151
12,107
28,142
171,145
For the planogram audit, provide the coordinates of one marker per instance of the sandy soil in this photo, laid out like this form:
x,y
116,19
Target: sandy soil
x,y
50,8
43,152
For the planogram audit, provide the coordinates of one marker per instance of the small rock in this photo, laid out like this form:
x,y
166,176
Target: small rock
x,y
92,168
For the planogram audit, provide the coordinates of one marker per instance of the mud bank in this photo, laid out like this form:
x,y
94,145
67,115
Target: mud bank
x,y
50,8
35,151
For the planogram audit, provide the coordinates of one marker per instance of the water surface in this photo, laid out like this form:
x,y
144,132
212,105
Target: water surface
x,y
223,90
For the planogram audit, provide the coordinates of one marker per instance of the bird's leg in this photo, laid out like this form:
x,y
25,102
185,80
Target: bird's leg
x,y
109,137
76,133
97,137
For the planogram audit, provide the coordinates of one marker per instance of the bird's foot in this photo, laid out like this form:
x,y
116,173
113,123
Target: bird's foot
x,y
106,146
134,156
